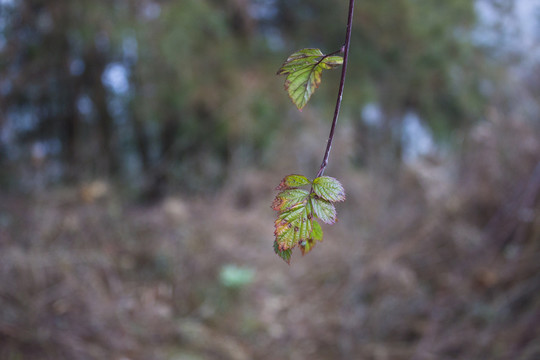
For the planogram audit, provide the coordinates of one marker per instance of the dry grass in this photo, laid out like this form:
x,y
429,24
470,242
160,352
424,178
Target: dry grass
x,y
440,262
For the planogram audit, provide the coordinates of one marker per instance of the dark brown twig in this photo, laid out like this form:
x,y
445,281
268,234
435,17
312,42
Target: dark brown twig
x,y
345,50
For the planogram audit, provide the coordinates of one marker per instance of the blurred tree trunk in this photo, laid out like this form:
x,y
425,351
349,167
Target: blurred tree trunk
x,y
239,17
63,97
68,137
141,142
168,135
157,174
105,122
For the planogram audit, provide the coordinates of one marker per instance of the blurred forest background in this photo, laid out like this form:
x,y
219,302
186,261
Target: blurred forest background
x,y
141,141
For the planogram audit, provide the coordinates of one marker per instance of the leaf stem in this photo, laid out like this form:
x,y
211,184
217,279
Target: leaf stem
x,y
345,50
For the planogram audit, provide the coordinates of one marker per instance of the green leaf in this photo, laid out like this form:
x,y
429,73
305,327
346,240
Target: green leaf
x,y
304,69
294,223
306,246
286,235
294,226
297,210
317,233
324,210
293,181
284,254
306,223
288,199
329,189
291,215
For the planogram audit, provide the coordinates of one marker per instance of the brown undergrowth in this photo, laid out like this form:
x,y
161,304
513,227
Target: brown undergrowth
x,y
439,262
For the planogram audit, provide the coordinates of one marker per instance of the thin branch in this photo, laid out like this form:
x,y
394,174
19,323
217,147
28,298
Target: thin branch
x,y
345,50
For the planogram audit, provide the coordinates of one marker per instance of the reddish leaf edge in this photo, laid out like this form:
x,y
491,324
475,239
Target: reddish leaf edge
x,y
283,244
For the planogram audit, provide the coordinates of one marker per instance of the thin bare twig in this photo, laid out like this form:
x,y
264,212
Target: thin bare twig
x,y
345,49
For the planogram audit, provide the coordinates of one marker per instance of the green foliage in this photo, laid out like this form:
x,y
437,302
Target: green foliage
x,y
420,56
288,199
298,210
293,181
329,189
324,210
304,69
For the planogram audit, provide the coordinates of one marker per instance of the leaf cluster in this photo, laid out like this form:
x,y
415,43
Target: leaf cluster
x,y
299,209
304,70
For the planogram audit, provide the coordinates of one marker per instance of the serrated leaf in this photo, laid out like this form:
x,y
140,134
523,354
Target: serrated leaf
x,y
324,210
305,223
298,209
290,215
281,227
284,254
316,233
293,181
294,223
329,189
288,199
287,238
307,246
332,61
294,228
304,69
